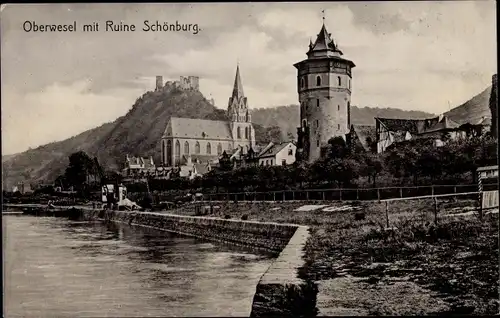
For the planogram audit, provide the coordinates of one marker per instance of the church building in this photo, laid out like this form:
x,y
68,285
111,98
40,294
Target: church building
x,y
187,140
324,87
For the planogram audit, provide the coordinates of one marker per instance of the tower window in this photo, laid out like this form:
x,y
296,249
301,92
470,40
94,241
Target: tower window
x,y
338,107
246,132
317,103
349,84
339,80
317,143
238,133
302,82
338,127
318,80
317,123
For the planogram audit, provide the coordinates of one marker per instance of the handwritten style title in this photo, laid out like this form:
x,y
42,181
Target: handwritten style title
x,y
111,26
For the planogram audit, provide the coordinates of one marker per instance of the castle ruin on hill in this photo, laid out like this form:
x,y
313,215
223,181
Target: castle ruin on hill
x,y
185,83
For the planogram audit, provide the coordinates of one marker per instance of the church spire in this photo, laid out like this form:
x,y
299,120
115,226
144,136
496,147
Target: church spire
x,y
238,87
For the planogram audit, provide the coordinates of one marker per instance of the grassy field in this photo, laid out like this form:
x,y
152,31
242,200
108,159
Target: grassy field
x,y
414,266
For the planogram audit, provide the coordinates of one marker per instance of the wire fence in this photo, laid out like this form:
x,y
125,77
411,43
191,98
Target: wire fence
x,y
369,194
439,207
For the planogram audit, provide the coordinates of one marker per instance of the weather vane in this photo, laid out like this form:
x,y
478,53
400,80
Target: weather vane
x,y
323,12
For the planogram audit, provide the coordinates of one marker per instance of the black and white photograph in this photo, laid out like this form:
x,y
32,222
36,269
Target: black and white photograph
x,y
249,159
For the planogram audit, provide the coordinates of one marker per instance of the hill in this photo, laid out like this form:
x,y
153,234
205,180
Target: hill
x,y
288,117
139,132
472,110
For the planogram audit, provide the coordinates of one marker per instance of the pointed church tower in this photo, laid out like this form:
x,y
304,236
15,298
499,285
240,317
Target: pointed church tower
x,y
238,105
324,87
239,116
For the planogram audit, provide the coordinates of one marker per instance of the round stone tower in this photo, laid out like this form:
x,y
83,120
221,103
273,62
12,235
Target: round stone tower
x,y
324,86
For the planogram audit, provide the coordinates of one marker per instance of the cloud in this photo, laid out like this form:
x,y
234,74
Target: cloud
x,y
58,110
412,55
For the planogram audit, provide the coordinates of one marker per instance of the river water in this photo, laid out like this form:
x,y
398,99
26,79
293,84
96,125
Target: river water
x,y
54,267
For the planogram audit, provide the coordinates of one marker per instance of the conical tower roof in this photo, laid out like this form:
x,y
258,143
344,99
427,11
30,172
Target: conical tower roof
x,y
324,42
238,87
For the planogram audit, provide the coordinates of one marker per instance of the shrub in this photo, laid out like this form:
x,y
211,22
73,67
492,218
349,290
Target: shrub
x,y
244,217
227,216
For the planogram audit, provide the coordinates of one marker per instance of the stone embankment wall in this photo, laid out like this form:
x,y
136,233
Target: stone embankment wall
x,y
279,292
272,237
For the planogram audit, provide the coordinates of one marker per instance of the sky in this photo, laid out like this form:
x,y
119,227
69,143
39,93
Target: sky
x,y
423,55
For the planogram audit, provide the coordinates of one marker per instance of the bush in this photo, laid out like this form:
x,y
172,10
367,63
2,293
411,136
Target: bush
x,y
244,217
227,216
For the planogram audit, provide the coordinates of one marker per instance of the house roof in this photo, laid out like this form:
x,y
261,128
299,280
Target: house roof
x,y
414,126
197,128
274,149
200,158
444,124
364,132
487,168
147,162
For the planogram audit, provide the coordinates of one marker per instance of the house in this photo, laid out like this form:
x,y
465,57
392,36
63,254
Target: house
x,y
191,166
441,129
241,157
138,166
362,138
281,154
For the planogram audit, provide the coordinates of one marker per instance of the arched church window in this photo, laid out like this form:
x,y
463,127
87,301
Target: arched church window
x,y
197,148
186,148
219,149
317,103
238,133
177,148
246,132
318,80
169,153
339,80
209,149
163,157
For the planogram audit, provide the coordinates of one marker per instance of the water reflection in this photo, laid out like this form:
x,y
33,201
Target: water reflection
x,y
58,267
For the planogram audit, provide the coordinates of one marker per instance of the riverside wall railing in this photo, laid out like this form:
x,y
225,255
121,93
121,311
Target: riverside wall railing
x,y
344,194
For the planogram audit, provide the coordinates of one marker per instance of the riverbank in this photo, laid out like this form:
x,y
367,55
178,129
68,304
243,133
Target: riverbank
x,y
413,266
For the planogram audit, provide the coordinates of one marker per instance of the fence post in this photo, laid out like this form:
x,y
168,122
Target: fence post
x,y
378,194
323,195
357,194
401,192
307,195
244,196
283,196
435,210
340,194
455,189
274,195
293,195
432,190
387,213
255,196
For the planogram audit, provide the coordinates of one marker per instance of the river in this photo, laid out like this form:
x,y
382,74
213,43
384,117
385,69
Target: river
x,y
54,267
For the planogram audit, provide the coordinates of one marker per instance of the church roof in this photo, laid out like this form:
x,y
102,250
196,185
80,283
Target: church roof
x,y
238,86
197,128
